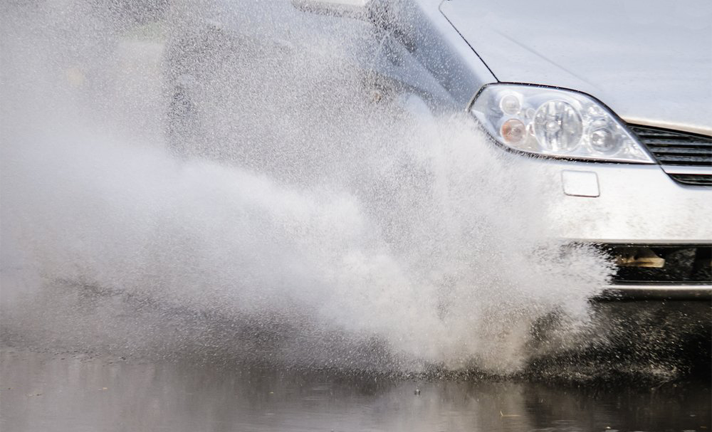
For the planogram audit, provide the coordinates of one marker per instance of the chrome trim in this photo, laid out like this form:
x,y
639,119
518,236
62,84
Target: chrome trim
x,y
689,170
672,126
656,292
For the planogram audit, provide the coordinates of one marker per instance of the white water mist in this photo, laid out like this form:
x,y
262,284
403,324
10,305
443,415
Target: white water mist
x,y
353,223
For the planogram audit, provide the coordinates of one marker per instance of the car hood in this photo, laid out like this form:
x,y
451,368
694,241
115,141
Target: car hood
x,y
649,61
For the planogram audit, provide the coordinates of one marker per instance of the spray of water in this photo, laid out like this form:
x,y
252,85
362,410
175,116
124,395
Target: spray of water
x,y
310,222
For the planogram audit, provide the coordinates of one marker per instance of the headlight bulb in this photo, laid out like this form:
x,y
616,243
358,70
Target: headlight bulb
x,y
603,141
513,131
557,126
509,104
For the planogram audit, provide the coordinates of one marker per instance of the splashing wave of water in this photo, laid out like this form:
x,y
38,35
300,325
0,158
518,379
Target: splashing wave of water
x,y
340,232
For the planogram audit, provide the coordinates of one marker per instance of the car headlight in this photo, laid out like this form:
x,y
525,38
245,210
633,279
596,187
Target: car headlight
x,y
555,122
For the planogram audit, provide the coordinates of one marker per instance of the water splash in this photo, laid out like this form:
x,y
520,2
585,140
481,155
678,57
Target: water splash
x,y
324,228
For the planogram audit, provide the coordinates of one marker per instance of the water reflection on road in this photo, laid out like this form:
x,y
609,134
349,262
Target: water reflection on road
x,y
77,393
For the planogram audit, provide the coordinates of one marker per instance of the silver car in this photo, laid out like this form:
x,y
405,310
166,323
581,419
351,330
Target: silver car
x,y
615,96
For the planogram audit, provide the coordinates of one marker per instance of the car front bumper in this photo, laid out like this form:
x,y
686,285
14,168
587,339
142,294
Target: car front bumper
x,y
631,206
636,204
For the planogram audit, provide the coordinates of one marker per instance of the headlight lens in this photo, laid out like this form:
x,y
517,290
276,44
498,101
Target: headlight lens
x,y
555,122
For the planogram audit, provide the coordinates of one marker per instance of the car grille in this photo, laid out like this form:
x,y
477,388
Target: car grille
x,y
676,148
686,157
661,264
693,179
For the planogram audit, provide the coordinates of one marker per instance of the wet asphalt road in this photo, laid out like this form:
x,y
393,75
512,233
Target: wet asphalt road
x,y
45,392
